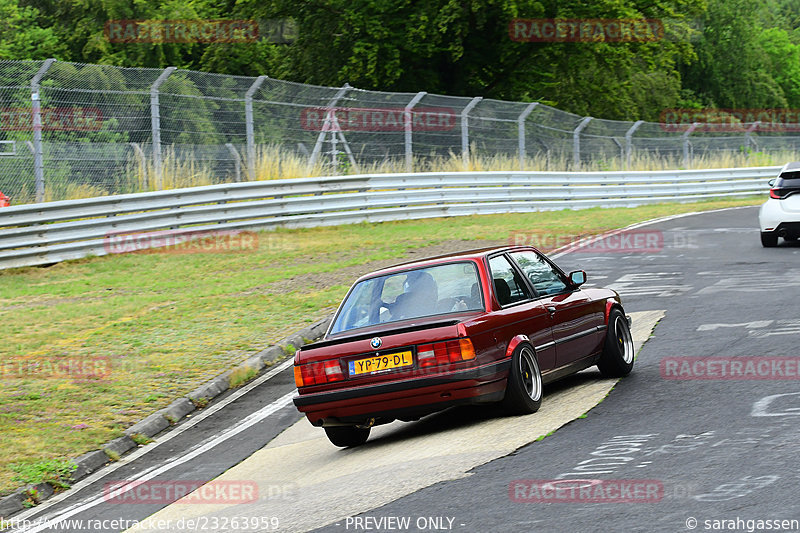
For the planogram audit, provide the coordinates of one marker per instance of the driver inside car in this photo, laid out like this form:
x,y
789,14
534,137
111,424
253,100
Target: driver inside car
x,y
419,297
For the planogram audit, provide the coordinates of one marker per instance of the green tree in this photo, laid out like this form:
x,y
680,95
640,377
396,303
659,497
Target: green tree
x,y
463,48
80,27
21,37
784,62
732,69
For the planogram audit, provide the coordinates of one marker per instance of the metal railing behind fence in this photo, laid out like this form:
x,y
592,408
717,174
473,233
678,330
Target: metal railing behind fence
x,y
70,130
38,234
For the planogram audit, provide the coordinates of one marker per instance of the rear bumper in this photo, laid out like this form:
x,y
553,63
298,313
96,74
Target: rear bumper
x,y
786,229
410,397
773,215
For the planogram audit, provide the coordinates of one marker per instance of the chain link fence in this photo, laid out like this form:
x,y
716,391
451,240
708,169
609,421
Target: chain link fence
x,y
72,130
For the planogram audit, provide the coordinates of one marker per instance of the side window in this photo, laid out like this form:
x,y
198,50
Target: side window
x,y
508,285
544,279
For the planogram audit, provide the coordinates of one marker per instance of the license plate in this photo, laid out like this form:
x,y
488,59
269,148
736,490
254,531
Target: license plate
x,y
380,362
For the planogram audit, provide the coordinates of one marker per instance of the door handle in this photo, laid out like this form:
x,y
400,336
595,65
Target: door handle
x,y
551,309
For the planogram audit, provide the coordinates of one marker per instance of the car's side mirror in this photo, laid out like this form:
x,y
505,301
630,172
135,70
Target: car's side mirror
x,y
771,182
577,278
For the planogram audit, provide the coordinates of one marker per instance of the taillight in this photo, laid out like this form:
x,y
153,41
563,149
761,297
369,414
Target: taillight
x,y
426,355
442,353
318,373
775,193
333,371
467,350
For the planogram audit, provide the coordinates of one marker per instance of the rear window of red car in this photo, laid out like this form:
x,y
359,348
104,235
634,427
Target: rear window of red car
x,y
430,291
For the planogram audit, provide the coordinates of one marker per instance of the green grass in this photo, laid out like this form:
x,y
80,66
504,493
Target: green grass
x,y
240,376
155,326
53,471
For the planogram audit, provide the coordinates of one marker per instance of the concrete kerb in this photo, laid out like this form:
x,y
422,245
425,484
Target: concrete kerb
x,y
117,447
25,497
162,419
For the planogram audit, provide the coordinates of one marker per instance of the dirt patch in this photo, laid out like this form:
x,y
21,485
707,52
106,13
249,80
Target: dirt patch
x,y
347,275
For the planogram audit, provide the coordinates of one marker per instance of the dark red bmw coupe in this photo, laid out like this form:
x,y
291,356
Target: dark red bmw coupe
x,y
480,326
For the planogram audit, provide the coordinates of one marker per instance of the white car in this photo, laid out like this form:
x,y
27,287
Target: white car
x,y
780,215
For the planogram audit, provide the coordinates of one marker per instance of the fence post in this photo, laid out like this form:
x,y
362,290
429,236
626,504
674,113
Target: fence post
x,y
407,125
248,124
36,111
465,130
521,128
576,142
685,137
748,134
629,142
326,125
155,124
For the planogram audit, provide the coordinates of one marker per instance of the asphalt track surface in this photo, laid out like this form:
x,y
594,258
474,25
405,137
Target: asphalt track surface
x,y
658,454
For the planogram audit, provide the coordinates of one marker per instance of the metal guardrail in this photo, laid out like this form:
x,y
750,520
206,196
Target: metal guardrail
x,y
36,234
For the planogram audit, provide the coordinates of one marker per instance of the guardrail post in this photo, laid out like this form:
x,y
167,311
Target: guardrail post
x,y
326,125
576,142
36,112
629,142
249,130
407,125
685,138
237,161
465,130
521,135
155,124
748,134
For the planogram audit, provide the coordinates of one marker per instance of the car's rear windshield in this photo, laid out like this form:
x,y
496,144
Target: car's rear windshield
x,y
790,180
421,292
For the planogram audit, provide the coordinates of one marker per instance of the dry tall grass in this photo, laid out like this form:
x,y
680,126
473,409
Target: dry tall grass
x,y
274,162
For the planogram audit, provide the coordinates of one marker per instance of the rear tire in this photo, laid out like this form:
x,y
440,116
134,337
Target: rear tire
x,y
618,351
769,239
524,389
346,436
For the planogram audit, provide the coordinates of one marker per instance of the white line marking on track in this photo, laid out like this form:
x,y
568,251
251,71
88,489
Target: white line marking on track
x,y
581,243
232,431
762,406
748,325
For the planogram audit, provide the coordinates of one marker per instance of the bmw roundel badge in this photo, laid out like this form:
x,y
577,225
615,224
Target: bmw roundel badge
x,y
376,342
